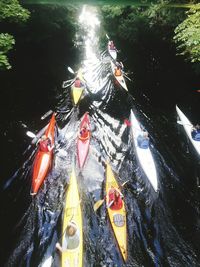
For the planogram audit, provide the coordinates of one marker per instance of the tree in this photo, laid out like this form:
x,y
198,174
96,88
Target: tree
x,y
187,35
10,12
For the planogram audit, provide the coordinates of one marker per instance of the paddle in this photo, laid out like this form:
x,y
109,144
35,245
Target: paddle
x,y
48,262
71,70
30,134
101,201
46,114
127,76
107,36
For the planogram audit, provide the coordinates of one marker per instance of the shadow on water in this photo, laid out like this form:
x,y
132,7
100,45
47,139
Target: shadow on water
x,y
159,231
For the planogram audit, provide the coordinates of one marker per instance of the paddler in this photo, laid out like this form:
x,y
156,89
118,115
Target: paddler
x,y
196,132
84,132
118,69
45,144
115,199
78,83
71,240
143,139
111,45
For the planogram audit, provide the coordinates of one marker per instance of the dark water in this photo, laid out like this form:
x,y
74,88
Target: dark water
x,y
163,227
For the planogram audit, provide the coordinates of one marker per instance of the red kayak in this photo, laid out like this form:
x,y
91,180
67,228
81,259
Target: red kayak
x,y
83,139
43,159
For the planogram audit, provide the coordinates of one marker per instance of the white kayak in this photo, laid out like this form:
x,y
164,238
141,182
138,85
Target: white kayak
x,y
112,52
187,125
144,155
120,78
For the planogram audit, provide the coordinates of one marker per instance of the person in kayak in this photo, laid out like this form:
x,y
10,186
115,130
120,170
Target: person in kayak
x,y
84,132
78,83
115,199
112,46
143,139
45,144
72,238
118,69
196,132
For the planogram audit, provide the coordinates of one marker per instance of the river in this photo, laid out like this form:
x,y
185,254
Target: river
x,y
163,226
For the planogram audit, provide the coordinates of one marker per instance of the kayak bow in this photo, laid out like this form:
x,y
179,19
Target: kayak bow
x,y
78,91
144,155
72,213
187,125
83,143
117,217
43,160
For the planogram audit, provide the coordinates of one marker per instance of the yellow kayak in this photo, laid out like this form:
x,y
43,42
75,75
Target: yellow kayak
x,y
117,217
78,91
72,257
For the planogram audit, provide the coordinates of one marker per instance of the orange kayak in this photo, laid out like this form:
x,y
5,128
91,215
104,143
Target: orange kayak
x,y
43,160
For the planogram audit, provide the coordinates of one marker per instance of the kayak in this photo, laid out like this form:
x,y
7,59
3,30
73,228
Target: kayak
x,y
144,155
72,213
117,217
78,91
187,125
43,160
120,79
112,52
83,143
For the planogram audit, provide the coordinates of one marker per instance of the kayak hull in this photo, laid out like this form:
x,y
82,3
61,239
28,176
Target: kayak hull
x,y
119,227
113,53
120,79
77,92
72,212
83,145
144,155
187,125
43,160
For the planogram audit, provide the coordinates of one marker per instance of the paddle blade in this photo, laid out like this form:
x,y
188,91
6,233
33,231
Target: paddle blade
x,y
47,114
70,70
98,204
47,262
30,134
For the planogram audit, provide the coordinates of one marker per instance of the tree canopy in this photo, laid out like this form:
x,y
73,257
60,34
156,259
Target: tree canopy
x,y
187,35
10,12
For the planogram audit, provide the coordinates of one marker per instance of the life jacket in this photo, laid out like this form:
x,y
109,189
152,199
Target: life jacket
x,y
143,142
84,134
117,201
118,72
43,145
77,83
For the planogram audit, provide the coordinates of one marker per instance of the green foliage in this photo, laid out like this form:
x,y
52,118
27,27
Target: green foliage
x,y
12,11
187,35
6,43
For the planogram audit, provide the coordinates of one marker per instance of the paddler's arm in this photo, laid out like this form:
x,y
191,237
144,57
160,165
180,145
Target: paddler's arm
x,y
110,204
58,246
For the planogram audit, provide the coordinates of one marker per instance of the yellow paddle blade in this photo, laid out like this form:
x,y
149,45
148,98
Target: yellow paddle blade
x,y
98,204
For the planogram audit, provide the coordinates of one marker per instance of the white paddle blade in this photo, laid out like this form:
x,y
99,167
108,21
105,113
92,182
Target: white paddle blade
x,y
70,70
48,262
30,134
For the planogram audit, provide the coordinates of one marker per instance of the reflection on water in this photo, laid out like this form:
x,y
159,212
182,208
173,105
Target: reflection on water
x,y
152,236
